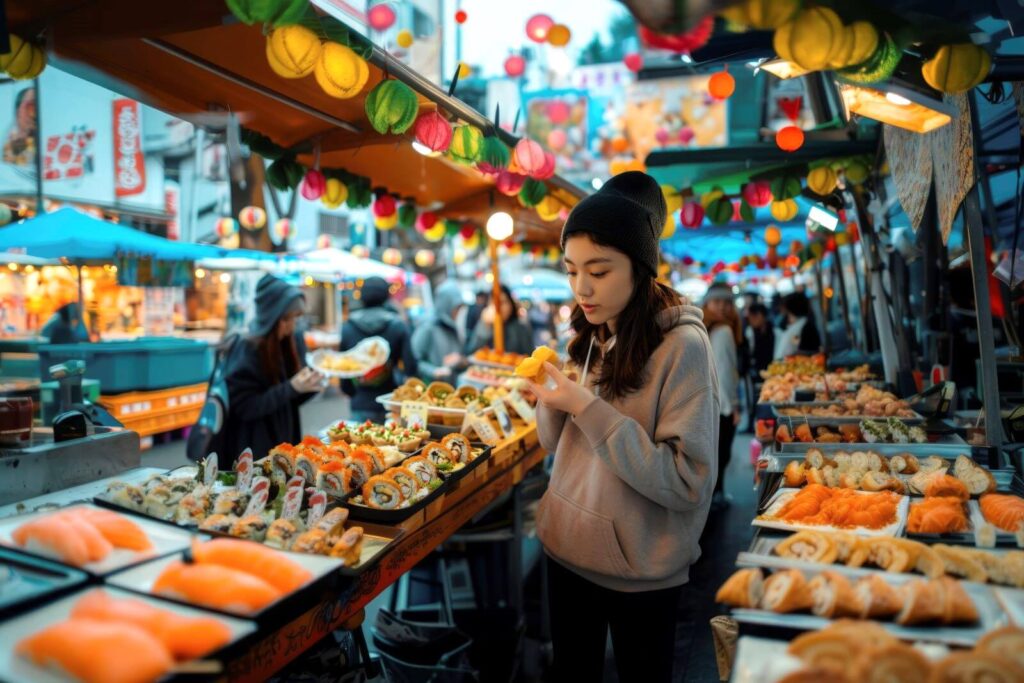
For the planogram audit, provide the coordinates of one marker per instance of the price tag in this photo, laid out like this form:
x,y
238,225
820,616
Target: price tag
x,y
292,501
257,503
414,414
521,406
476,421
210,470
317,505
244,468
504,419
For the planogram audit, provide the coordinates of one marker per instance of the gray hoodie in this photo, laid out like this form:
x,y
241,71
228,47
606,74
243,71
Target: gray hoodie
x,y
633,477
438,336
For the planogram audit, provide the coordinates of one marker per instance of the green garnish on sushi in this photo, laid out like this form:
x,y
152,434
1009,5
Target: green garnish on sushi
x,y
434,483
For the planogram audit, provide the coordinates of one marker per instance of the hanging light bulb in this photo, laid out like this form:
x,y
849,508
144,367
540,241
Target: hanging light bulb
x,y
500,226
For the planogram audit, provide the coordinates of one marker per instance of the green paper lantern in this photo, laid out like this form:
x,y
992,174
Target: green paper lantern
x,y
467,143
857,172
451,228
392,107
359,194
785,187
879,66
276,12
494,154
285,173
746,212
532,192
719,211
407,215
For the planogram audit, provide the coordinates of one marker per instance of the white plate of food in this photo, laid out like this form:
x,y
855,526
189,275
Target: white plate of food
x,y
888,526
364,357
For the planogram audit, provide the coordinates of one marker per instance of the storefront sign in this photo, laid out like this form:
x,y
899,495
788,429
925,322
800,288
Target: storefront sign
x,y
129,164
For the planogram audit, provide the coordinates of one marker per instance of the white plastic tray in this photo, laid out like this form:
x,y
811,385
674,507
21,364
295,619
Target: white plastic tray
x,y
783,495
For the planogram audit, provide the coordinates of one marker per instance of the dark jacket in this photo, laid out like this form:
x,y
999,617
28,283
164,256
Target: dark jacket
x,y
518,337
764,349
810,340
377,321
261,413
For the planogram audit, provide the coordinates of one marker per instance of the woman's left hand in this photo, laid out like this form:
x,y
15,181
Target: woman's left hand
x,y
567,396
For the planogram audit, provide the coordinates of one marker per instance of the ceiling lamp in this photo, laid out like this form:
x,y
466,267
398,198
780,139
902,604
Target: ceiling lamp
x,y
897,105
500,226
784,69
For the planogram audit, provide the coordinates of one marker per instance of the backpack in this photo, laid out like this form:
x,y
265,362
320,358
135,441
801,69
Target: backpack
x,y
207,435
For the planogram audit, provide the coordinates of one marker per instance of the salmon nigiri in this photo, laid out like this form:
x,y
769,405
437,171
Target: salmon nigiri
x,y
118,529
212,585
185,637
97,546
253,558
53,536
98,652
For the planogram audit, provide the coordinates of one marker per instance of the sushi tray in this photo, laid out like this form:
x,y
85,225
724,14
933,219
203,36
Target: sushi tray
x,y
1003,538
26,581
172,652
387,400
990,615
88,537
767,518
825,420
237,587
788,452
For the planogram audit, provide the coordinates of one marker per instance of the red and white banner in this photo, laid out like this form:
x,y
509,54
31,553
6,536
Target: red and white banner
x,y
129,165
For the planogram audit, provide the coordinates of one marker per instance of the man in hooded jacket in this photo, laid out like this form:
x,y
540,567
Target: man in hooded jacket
x,y
436,343
375,319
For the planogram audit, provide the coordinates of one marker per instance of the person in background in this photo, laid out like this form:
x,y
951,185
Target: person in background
x,y
723,325
376,319
518,336
476,309
65,326
800,333
437,344
267,378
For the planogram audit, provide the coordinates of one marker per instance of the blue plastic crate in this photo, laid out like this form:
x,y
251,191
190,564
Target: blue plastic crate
x,y
140,365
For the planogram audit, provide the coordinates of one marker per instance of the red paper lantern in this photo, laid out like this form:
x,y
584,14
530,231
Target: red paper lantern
x,y
537,27
721,85
461,16
634,61
691,40
557,139
426,221
381,17
509,183
384,206
686,134
757,193
793,261
467,230
433,131
313,185
515,66
548,169
790,138
691,215
529,156
559,112
718,267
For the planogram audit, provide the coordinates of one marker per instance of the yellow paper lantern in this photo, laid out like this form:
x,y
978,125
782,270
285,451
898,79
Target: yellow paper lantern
x,y
559,35
386,222
553,254
772,236
391,256
292,51
252,218
761,14
673,199
340,71
548,208
424,258
859,44
957,68
404,38
621,166
822,180
669,228
785,210
708,197
436,233
809,39
283,228
335,193
25,61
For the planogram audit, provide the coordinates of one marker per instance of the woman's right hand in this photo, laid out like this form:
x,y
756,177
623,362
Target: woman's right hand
x,y
307,381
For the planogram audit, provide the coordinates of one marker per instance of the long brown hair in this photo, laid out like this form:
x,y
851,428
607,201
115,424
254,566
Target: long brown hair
x,y
276,354
639,333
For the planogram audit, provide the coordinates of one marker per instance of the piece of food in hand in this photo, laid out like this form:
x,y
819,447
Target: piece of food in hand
x,y
744,588
532,368
786,591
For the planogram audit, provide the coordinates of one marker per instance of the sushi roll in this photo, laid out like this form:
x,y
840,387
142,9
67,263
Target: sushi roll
x,y
381,492
126,495
218,523
424,470
194,507
306,465
874,432
253,528
335,477
361,466
333,524
313,541
406,480
899,431
282,533
283,458
459,445
440,456
349,547
376,456
917,435
231,502
160,502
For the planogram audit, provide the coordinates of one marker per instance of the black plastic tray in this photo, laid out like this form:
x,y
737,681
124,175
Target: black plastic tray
x,y
33,581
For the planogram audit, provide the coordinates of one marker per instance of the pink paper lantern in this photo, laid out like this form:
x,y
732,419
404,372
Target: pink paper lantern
x,y
691,215
529,156
559,112
757,193
685,135
509,183
662,136
426,221
634,61
433,131
515,66
537,27
548,169
557,139
381,17
313,185
384,206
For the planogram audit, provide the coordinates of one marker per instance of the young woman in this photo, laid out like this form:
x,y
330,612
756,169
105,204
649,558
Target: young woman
x,y
268,379
634,442
723,324
518,336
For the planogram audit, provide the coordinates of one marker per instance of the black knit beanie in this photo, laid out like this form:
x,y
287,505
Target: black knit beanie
x,y
274,298
628,213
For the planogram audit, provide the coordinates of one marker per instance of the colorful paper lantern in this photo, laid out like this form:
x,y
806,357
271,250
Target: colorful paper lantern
x,y
384,205
618,166
559,35
879,67
537,27
335,193
404,38
467,230
392,107
757,193
785,211
529,156
340,72
283,229
856,172
790,138
559,112
710,196
509,183
225,226
293,51
324,242
855,46
386,222
391,256
669,229
275,12
721,85
424,258
433,131
515,66
634,61
381,17
957,68
459,257
822,180
691,215
436,233
407,215
532,192
472,242
360,251
252,218
466,143
809,39
685,42
313,184
761,14
548,169
686,134
461,16
426,221
772,236
720,211
494,156
557,139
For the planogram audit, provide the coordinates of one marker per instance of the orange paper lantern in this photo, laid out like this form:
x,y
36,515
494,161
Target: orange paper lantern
x,y
721,85
790,139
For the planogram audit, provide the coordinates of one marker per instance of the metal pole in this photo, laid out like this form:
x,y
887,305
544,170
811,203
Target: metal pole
x,y
821,304
499,322
40,209
841,288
